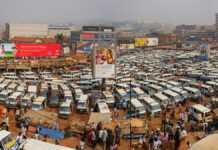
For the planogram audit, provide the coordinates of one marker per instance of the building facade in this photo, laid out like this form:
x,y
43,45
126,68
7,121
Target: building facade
x,y
216,25
88,35
54,30
26,30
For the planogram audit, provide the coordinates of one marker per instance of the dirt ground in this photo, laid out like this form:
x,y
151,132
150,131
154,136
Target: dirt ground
x,y
153,123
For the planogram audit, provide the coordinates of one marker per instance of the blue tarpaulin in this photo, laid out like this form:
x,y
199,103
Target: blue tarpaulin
x,y
52,133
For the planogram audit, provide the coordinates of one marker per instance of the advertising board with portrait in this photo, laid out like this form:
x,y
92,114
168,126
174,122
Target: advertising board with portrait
x,y
104,64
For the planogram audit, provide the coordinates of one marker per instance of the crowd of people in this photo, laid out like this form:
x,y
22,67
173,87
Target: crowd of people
x,y
96,134
175,125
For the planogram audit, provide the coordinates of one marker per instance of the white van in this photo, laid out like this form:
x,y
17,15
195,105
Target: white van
x,y
74,86
174,83
45,74
32,144
182,92
29,75
12,86
27,100
3,86
103,107
85,84
44,89
162,99
4,95
121,97
22,88
152,89
82,103
14,99
193,92
151,105
138,107
213,84
138,93
2,80
39,103
68,95
165,85
65,109
200,113
32,89
108,96
10,75
205,89
77,94
174,97
184,81
70,77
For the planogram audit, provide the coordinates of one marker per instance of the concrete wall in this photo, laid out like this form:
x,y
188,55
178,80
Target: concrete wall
x,y
28,30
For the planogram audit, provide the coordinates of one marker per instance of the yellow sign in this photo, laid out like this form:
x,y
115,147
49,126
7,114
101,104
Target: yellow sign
x,y
140,42
10,144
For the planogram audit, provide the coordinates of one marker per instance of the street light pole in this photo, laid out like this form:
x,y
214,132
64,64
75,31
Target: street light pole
x,y
130,96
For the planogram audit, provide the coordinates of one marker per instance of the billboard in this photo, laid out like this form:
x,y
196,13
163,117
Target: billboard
x,y
99,28
37,50
152,41
86,47
66,50
87,36
126,46
123,46
7,49
75,36
140,42
205,51
131,46
104,61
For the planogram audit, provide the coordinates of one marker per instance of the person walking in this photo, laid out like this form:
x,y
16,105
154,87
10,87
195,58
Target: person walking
x,y
104,138
82,144
93,139
117,131
177,138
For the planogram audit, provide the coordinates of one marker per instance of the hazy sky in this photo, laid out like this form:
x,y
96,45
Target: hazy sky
x,y
83,11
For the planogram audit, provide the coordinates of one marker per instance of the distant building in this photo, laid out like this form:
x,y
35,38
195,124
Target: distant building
x,y
26,30
1,32
167,38
182,30
98,33
205,33
64,30
216,24
91,34
32,40
201,36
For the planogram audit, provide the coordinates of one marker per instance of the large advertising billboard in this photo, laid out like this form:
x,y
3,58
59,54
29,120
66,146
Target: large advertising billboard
x,y
126,46
86,47
37,50
141,42
98,28
152,42
7,49
87,36
104,61
131,46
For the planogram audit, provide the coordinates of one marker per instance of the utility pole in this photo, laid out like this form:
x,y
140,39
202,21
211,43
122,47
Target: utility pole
x,y
130,96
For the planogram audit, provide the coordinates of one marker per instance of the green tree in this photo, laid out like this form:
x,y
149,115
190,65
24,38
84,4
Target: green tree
x,y
59,38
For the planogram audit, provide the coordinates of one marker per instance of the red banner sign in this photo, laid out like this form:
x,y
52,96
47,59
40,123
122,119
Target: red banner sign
x,y
37,50
87,35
